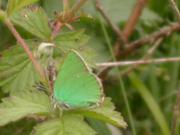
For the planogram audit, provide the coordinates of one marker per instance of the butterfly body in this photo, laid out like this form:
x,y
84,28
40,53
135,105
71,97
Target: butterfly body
x,y
76,86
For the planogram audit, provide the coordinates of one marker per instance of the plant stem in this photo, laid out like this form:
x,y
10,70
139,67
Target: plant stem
x,y
175,9
148,54
119,33
122,86
24,45
176,113
134,17
139,62
149,39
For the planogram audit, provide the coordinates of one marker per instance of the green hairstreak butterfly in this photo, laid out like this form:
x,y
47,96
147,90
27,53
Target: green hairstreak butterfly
x,y
76,86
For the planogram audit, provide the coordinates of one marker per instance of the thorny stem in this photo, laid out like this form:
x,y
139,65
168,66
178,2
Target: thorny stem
x,y
130,25
133,19
119,33
149,39
139,62
24,45
146,57
162,33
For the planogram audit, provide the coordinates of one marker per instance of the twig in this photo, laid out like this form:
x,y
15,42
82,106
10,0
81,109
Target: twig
x,y
149,39
140,62
153,48
149,53
133,19
121,83
162,33
130,26
119,33
175,8
176,113
24,45
146,56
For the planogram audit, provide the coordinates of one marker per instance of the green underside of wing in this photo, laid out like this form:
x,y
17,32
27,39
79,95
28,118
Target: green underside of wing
x,y
75,85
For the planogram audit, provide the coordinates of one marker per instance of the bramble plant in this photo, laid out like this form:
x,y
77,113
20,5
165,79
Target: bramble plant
x,y
67,67
27,65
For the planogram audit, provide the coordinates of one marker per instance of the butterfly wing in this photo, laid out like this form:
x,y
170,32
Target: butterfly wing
x,y
76,85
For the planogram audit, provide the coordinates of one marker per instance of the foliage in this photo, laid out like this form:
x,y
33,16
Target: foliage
x,y
105,112
14,5
67,125
15,68
144,92
27,106
24,104
33,20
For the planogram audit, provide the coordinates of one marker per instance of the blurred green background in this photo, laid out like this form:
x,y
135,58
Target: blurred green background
x,y
148,88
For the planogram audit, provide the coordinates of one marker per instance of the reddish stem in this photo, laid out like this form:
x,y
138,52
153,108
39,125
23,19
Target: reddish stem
x,y
24,45
161,33
133,19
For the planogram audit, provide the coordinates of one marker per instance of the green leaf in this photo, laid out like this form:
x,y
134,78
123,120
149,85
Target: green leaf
x,y
67,125
71,40
96,40
76,40
104,113
6,37
24,104
51,6
16,70
92,50
14,5
151,103
34,21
